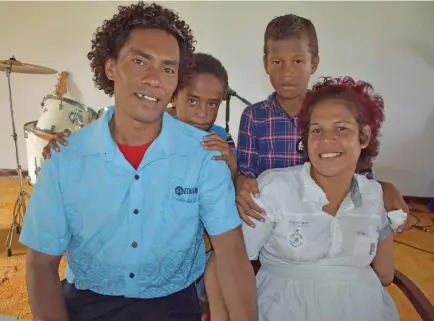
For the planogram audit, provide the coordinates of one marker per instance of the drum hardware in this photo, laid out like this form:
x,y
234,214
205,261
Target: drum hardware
x,y
102,111
37,168
43,105
44,109
34,147
76,118
9,66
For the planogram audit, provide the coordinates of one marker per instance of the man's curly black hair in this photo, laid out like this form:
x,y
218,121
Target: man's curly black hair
x,y
112,35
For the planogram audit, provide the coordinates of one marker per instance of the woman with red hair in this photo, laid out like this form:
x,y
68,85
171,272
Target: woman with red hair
x,y
326,246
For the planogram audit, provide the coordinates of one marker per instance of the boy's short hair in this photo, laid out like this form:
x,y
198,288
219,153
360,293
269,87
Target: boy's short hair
x,y
291,26
207,64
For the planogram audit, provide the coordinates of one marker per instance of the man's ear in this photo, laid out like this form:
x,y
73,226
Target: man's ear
x,y
110,68
174,100
315,64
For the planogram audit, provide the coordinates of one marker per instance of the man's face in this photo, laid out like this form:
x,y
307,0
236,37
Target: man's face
x,y
145,74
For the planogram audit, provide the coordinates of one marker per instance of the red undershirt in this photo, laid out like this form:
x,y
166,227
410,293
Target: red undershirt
x,y
134,154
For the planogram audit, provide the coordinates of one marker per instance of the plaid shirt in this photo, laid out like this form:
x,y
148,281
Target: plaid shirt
x,y
268,138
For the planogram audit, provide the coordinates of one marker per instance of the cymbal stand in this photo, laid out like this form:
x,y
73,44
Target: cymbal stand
x,y
20,203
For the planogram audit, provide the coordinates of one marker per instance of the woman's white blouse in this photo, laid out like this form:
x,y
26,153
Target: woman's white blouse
x,y
296,229
315,266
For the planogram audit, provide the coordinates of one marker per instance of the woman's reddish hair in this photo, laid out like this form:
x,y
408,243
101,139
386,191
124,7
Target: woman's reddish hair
x,y
368,110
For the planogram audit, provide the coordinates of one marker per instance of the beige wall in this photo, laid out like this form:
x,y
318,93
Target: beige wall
x,y
390,44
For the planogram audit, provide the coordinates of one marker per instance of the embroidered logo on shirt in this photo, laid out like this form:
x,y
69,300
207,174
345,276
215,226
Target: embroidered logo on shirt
x,y
371,248
179,190
300,146
296,239
299,223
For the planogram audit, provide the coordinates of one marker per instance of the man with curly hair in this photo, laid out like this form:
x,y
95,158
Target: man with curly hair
x,y
128,200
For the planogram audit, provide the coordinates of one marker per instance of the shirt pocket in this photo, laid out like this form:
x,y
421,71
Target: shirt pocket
x,y
181,217
365,249
366,241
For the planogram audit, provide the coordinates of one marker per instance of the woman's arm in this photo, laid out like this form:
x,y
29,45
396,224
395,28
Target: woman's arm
x,y
383,263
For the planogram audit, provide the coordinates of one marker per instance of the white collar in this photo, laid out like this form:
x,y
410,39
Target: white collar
x,y
313,193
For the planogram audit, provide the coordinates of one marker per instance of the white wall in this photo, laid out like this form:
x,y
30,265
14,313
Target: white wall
x,y
390,44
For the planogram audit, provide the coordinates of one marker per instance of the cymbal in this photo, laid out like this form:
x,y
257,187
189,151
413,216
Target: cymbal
x,y
24,68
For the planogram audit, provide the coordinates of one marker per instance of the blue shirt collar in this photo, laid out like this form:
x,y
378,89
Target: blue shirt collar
x,y
100,141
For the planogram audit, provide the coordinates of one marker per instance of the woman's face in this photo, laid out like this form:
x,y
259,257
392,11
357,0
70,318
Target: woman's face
x,y
334,143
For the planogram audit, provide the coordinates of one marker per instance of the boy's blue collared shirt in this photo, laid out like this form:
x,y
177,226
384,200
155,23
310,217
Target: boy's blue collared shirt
x,y
126,232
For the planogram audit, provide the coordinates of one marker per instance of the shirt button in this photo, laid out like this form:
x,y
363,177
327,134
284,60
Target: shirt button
x,y
136,211
134,244
136,177
132,275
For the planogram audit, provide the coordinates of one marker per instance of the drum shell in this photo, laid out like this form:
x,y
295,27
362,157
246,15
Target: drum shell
x,y
60,113
34,147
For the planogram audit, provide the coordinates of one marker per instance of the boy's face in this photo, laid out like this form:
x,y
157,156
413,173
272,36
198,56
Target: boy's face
x,y
289,65
197,104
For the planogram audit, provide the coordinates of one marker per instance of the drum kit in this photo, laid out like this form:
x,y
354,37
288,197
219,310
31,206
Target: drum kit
x,y
58,114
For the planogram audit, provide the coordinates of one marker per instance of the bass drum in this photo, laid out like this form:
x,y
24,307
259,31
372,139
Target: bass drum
x,y
34,147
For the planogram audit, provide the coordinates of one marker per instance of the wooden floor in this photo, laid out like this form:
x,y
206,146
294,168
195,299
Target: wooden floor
x,y
417,265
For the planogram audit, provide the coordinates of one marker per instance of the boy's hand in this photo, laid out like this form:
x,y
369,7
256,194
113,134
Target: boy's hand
x,y
214,141
52,144
245,188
